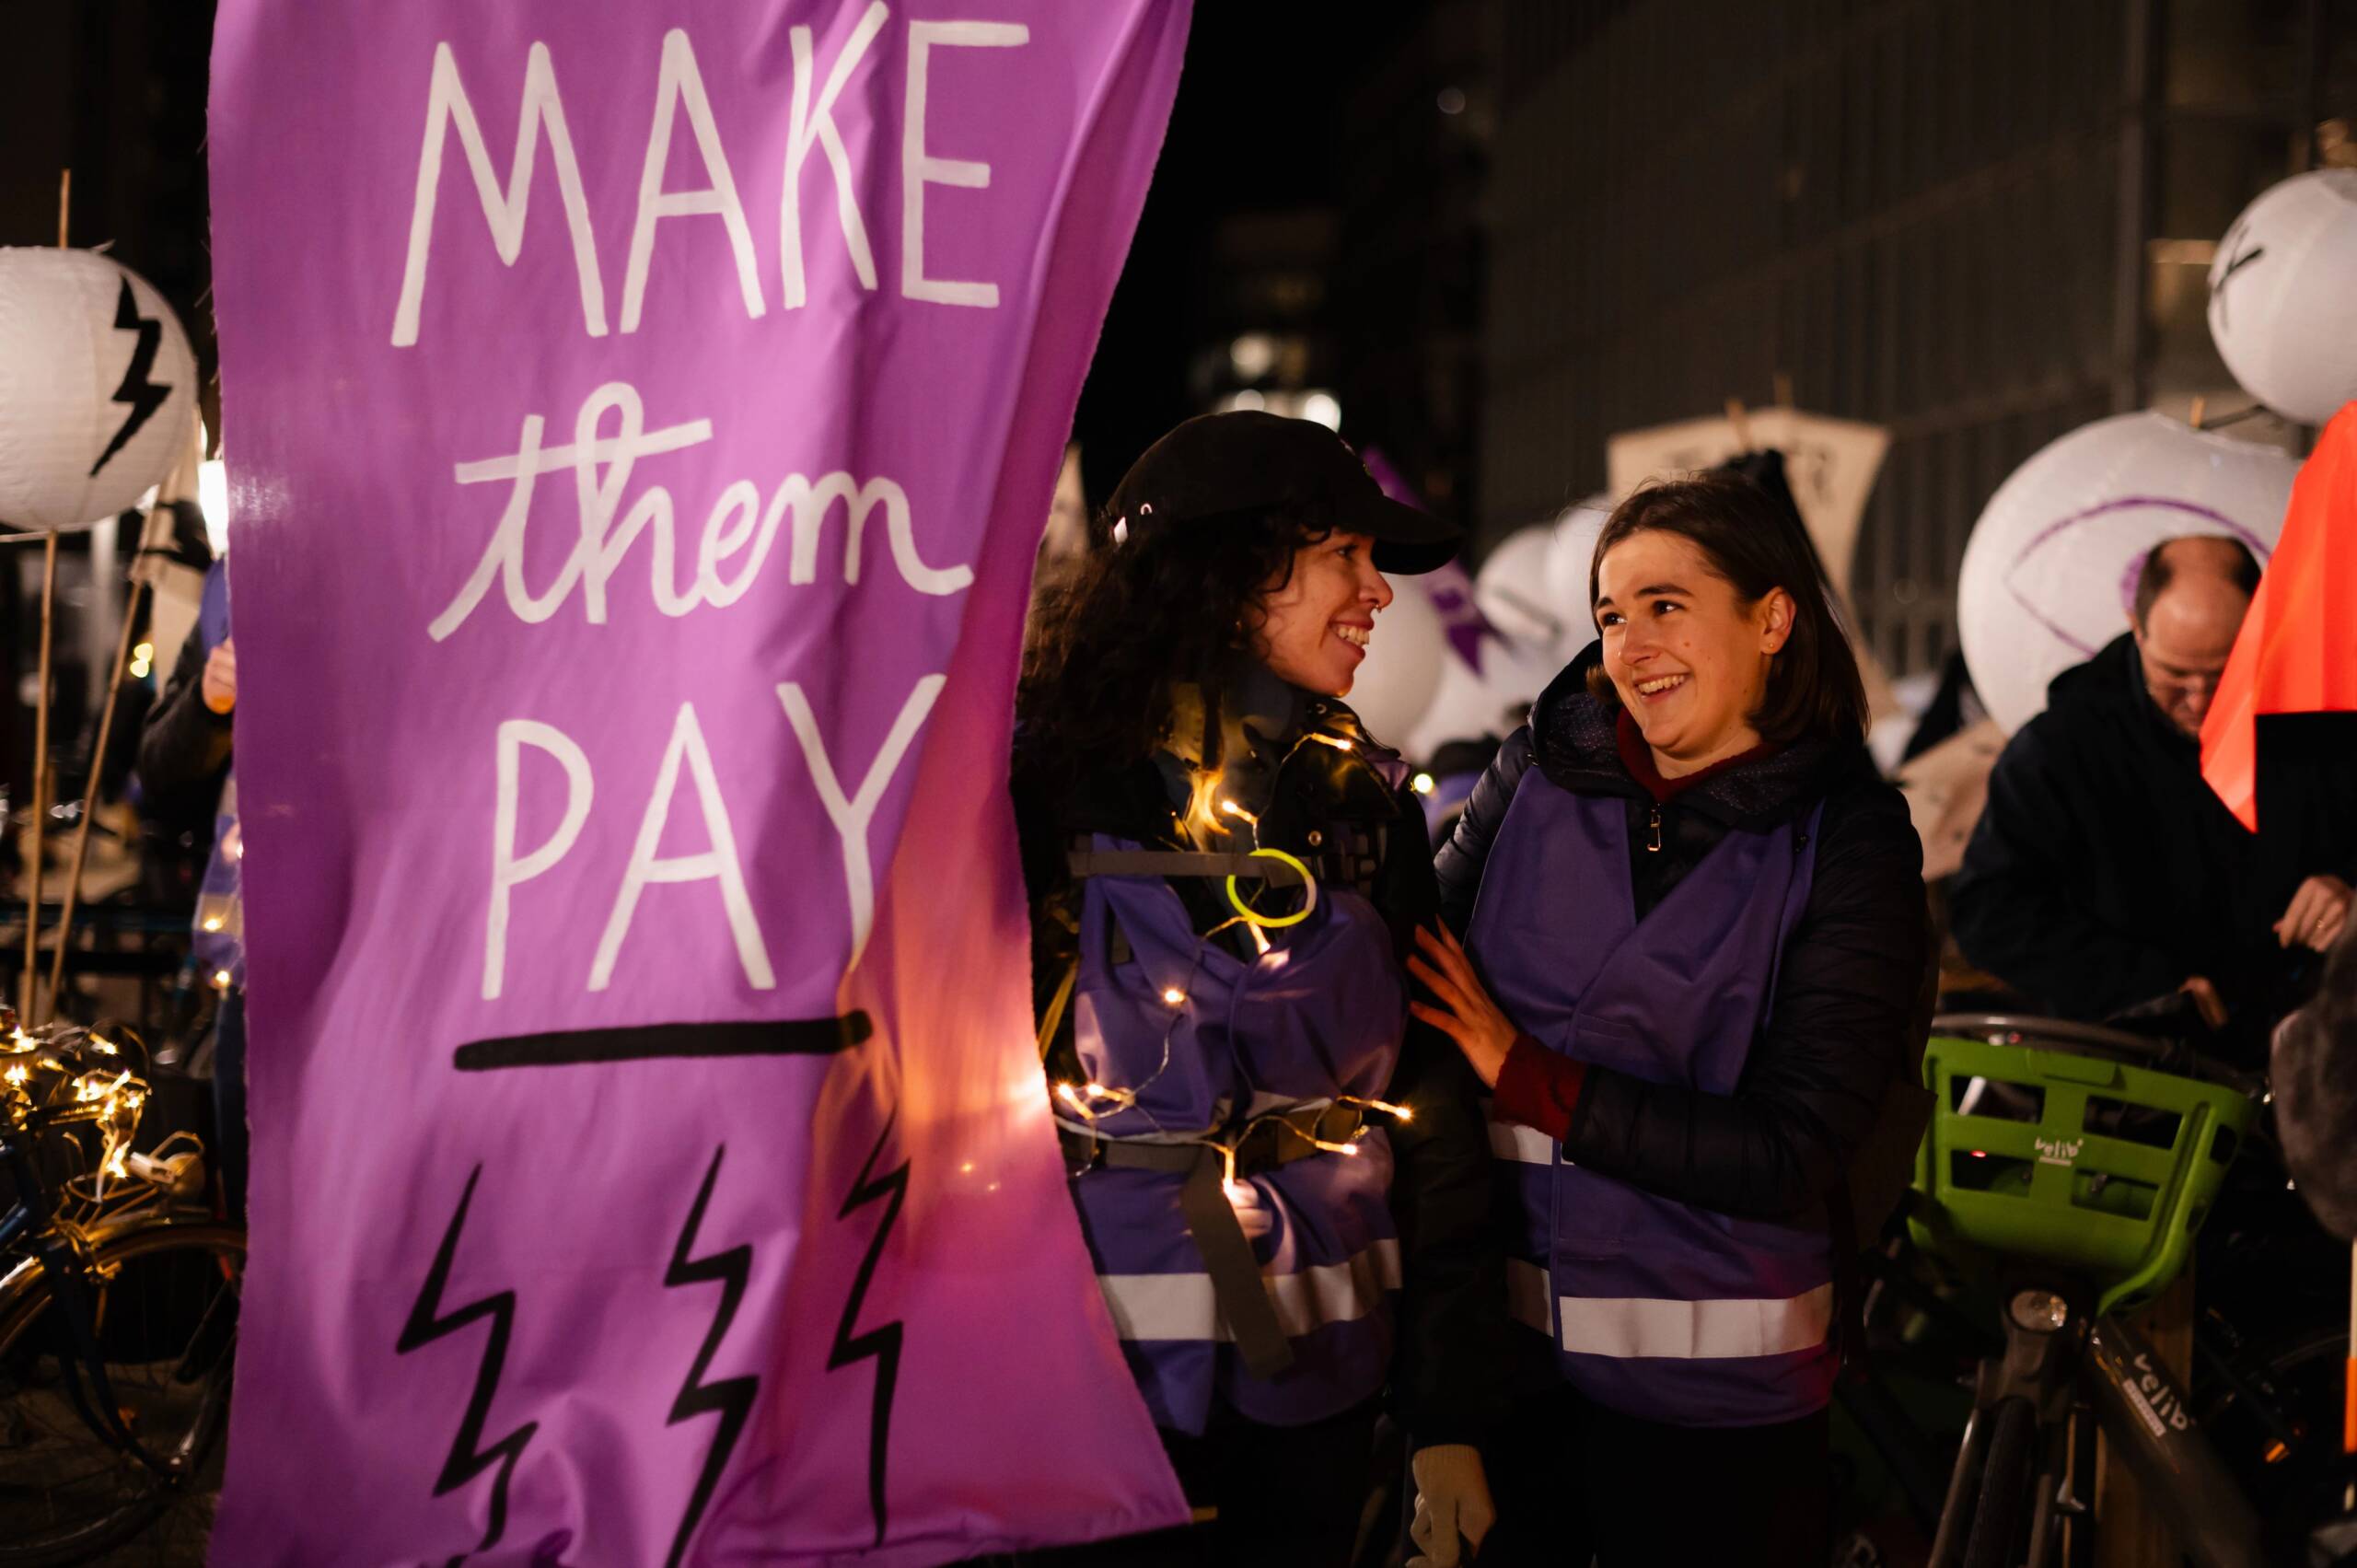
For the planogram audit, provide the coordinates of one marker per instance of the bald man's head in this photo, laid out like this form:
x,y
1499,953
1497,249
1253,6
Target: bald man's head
x,y
2189,604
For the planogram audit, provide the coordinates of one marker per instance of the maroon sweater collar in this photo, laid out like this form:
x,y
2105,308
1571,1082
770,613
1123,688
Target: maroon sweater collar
x,y
1638,757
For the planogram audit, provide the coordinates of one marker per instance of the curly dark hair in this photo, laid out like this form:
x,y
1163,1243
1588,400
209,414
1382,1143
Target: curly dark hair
x,y
1170,605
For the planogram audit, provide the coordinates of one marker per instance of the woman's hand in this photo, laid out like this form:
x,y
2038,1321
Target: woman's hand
x,y
1466,1014
219,684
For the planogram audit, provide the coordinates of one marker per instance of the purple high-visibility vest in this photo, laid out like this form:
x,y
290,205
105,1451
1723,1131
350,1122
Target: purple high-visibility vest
x,y
1658,1309
1203,1037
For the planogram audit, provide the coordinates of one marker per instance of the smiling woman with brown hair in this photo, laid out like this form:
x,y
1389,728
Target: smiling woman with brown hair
x,y
1693,941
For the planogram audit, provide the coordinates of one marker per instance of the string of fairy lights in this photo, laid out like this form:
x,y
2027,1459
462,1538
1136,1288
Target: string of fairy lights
x,y
61,1075
1092,1102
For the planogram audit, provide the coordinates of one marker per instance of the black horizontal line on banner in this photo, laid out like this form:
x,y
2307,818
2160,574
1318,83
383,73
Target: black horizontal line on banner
x,y
659,1042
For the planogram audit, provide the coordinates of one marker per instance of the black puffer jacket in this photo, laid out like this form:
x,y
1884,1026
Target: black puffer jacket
x,y
183,745
1852,995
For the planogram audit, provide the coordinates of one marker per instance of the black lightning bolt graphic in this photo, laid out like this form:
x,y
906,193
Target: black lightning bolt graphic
x,y
142,396
733,1399
883,1344
427,1322
2235,261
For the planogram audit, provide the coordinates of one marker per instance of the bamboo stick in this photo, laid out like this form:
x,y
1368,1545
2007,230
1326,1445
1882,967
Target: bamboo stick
x,y
29,991
91,800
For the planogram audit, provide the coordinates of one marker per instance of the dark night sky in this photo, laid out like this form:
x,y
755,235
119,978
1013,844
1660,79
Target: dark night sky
x,y
1254,127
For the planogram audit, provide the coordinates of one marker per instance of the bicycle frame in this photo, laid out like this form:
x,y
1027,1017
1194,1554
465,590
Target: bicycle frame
x,y
57,1253
2056,1356
2142,1410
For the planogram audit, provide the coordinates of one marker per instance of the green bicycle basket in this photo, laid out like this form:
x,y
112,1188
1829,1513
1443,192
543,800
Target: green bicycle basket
x,y
2106,1169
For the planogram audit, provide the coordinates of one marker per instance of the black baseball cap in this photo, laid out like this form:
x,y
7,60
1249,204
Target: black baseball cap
x,y
1216,465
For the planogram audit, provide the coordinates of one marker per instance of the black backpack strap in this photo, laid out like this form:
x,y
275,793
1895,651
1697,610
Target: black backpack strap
x,y
1219,1238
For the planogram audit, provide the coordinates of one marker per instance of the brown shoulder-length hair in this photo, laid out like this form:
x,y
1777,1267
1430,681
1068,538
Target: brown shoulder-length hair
x,y
1757,545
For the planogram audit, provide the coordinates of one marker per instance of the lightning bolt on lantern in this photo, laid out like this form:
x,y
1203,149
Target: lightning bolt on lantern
x,y
2283,295
137,393
98,386
83,339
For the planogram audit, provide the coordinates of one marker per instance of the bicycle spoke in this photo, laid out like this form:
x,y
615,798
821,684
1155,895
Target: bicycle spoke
x,y
165,1321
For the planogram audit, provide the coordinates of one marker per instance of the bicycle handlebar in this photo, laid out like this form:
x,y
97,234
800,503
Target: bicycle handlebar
x,y
2166,1056
2095,1036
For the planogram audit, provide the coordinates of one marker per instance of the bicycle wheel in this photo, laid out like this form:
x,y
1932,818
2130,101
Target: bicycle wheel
x,y
165,1315
2004,1487
2286,1388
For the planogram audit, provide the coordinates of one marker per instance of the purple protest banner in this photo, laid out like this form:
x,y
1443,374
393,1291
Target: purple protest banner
x,y
640,419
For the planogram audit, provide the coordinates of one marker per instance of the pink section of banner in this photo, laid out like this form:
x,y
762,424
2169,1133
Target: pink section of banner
x,y
630,555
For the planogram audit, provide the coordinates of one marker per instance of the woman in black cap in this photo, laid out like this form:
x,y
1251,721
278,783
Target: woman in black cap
x,y
1285,1189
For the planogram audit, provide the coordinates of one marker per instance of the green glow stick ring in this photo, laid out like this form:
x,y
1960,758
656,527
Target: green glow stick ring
x,y
1274,922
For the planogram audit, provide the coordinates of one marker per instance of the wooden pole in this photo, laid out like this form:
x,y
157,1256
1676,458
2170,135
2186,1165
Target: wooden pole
x,y
91,800
1742,422
29,991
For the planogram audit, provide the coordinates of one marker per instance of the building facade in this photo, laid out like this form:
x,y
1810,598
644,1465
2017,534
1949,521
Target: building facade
x,y
1979,223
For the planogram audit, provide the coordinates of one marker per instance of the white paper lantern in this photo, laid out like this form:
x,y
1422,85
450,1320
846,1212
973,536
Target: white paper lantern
x,y
1511,588
1517,672
96,387
1402,668
1462,708
1472,702
1570,553
2283,295
2049,574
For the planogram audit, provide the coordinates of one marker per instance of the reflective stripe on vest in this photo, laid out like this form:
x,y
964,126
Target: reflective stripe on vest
x,y
1629,1327
1524,1145
1181,1306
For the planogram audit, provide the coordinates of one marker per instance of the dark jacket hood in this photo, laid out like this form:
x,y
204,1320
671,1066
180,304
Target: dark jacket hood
x,y
2112,684
1572,742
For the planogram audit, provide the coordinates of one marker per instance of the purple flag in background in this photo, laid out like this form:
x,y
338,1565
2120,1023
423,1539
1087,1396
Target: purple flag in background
x,y
640,421
1450,587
